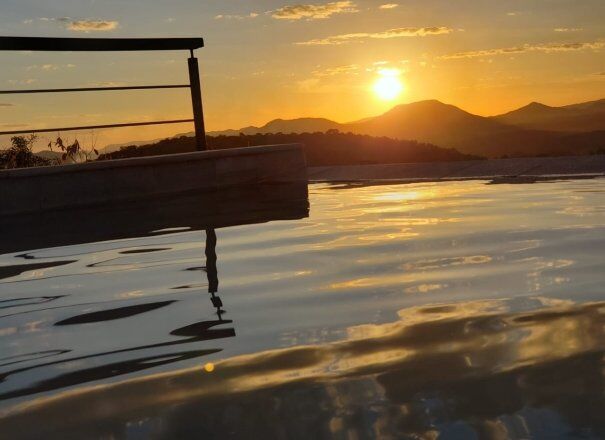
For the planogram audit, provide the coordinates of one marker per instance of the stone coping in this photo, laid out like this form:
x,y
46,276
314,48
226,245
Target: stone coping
x,y
146,161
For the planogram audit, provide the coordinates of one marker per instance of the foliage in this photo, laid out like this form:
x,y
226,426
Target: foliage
x,y
20,154
330,148
74,152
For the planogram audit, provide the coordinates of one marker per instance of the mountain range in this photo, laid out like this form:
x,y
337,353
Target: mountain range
x,y
535,129
588,116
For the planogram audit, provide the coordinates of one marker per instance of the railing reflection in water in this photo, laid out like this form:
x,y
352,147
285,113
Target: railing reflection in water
x,y
66,367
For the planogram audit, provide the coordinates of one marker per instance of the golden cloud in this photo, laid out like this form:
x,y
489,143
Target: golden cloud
x,y
391,33
314,11
235,17
546,48
89,25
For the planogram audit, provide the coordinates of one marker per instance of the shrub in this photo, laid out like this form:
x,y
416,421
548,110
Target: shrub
x,y
20,154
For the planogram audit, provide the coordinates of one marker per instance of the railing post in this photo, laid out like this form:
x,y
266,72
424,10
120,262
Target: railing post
x,y
196,102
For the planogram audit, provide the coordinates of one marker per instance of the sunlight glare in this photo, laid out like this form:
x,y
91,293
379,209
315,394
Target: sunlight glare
x,y
388,86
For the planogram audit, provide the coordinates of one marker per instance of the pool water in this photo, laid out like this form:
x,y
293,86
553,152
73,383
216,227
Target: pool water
x,y
453,310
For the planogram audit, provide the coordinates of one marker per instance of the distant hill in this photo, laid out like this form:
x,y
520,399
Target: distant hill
x,y
534,130
50,155
286,126
583,143
436,123
115,147
441,124
330,148
585,117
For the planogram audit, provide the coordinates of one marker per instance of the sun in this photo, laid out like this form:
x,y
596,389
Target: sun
x,y
388,86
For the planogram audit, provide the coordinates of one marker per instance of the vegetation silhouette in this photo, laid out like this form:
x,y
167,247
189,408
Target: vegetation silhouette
x,y
330,148
74,152
20,155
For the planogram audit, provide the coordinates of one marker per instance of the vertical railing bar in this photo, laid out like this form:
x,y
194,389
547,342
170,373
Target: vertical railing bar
x,y
196,102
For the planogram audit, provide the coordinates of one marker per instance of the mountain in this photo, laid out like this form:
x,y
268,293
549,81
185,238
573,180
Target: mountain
x,y
286,126
321,149
534,130
440,124
115,147
427,121
584,117
449,126
50,155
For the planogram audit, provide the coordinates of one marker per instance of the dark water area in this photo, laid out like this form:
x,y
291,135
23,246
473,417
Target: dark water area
x,y
453,310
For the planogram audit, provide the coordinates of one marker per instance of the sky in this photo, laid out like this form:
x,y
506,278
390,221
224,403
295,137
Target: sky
x,y
272,59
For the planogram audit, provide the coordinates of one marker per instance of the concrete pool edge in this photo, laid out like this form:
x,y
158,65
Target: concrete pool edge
x,y
47,188
517,169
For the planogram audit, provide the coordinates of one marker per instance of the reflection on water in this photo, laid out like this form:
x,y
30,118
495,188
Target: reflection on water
x,y
462,370
450,310
196,332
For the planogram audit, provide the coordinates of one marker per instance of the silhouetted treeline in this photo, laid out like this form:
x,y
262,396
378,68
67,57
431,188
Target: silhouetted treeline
x,y
331,148
19,154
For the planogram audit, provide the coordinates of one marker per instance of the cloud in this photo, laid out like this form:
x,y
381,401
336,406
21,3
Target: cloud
x,y
308,85
388,6
235,17
545,47
49,67
15,82
108,84
391,33
381,67
314,11
389,71
45,67
332,71
568,29
88,25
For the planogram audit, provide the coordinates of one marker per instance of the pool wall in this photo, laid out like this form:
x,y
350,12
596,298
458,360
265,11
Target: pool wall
x,y
93,183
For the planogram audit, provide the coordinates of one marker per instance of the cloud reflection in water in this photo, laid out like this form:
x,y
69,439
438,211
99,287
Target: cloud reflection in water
x,y
473,367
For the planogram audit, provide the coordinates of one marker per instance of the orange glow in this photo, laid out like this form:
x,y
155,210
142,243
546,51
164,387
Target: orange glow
x,y
388,86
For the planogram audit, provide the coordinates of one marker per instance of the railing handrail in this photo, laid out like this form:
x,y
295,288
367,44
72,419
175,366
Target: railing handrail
x,y
115,44
51,44
94,89
94,127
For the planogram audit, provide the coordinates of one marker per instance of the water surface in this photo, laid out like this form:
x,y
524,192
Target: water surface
x,y
450,310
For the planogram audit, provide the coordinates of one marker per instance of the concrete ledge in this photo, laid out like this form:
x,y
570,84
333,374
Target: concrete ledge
x,y
47,188
475,169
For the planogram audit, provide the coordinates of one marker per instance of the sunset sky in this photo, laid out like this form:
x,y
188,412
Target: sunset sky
x,y
281,59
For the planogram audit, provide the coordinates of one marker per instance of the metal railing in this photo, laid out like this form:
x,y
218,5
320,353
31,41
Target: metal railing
x,y
116,44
